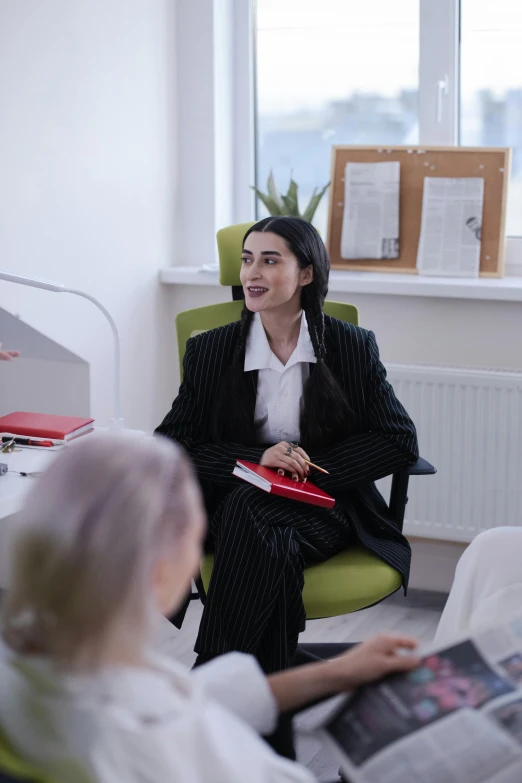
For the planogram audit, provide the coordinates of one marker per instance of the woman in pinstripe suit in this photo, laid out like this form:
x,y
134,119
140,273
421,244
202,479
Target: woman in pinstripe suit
x,y
286,374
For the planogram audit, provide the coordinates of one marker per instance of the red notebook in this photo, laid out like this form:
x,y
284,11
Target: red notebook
x,y
45,425
268,480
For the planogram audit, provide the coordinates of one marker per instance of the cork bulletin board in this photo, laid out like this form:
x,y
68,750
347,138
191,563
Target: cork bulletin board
x,y
493,164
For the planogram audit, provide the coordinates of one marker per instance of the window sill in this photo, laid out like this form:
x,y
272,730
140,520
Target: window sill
x,y
505,289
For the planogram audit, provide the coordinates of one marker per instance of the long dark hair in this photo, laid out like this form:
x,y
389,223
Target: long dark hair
x,y
325,413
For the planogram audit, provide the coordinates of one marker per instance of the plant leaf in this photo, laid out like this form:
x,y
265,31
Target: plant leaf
x,y
273,192
314,202
292,198
272,206
290,206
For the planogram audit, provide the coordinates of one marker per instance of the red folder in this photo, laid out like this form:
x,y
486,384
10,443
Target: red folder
x,y
45,425
268,480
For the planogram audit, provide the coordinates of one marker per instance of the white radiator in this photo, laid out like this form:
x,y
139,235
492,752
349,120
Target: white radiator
x,y
469,425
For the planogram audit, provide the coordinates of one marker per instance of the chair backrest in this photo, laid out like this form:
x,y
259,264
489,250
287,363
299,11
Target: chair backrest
x,y
189,323
230,247
13,769
192,322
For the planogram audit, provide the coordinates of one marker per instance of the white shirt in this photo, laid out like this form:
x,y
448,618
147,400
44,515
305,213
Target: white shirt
x,y
487,588
138,725
279,386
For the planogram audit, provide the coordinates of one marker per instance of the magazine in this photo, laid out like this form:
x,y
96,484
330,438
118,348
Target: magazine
x,y
455,719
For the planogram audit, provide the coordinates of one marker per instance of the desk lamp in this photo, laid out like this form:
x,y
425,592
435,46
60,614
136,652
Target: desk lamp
x,y
117,421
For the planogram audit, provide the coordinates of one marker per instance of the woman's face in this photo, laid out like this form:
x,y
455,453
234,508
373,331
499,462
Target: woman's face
x,y
270,274
175,569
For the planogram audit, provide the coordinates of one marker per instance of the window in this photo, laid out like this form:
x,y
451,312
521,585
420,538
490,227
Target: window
x,y
491,86
384,72
320,83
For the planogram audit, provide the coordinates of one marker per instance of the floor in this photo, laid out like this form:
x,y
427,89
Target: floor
x,y
417,615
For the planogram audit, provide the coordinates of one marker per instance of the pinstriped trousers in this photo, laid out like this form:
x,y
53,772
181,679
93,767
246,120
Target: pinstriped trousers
x,y
262,544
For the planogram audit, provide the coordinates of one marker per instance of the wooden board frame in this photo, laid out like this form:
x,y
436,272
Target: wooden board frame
x,y
417,162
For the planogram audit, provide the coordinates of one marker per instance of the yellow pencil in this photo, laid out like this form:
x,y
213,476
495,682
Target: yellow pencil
x,y
315,466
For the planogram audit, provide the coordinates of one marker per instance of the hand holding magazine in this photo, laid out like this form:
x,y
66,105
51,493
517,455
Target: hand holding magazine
x,y
455,719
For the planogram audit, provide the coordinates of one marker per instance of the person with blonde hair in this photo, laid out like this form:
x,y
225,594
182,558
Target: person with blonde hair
x,y
108,540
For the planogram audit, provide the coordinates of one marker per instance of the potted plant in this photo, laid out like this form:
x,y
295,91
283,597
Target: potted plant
x,y
288,203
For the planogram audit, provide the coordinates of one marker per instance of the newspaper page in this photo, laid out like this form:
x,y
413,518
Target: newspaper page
x,y
371,210
455,719
451,226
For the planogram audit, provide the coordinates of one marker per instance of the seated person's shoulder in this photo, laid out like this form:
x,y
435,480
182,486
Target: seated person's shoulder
x,y
221,334
341,330
212,349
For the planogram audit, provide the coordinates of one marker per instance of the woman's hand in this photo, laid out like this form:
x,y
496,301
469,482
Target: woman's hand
x,y
8,355
364,663
373,659
283,456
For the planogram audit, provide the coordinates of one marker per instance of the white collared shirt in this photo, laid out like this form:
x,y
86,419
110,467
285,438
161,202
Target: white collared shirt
x,y
144,725
279,386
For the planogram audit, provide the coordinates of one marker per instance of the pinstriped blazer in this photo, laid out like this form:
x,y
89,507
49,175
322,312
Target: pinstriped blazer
x,y
382,441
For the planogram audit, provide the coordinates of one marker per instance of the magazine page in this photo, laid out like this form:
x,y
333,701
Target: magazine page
x,y
451,226
455,719
371,210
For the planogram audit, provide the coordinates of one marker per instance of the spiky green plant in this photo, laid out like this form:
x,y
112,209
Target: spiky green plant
x,y
288,204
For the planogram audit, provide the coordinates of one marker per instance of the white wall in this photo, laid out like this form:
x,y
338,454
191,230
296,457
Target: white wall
x,y
87,184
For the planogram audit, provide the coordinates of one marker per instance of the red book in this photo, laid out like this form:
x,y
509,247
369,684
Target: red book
x,y
268,480
45,425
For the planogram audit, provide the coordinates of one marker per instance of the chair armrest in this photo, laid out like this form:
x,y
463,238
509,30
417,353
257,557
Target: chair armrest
x,y
421,468
399,487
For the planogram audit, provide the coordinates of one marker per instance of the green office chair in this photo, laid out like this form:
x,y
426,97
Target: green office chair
x,y
13,769
354,579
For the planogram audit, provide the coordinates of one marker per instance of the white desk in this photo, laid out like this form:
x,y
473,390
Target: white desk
x,y
13,486
13,489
